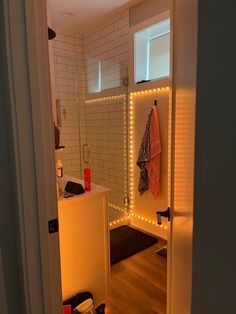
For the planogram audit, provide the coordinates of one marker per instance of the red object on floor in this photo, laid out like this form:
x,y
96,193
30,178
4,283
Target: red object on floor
x,y
67,309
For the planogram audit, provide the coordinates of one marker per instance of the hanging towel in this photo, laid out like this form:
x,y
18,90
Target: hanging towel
x,y
153,166
144,157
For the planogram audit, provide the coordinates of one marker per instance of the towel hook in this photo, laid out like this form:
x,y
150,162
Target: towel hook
x,y
155,102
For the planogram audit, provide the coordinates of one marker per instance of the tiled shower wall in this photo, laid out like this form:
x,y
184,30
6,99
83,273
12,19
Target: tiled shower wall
x,y
110,41
106,120
107,137
68,68
100,124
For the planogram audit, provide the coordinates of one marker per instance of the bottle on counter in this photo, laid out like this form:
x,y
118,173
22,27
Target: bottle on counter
x,y
87,179
59,168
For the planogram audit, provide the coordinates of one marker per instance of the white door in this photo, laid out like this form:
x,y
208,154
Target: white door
x,y
184,56
184,60
31,154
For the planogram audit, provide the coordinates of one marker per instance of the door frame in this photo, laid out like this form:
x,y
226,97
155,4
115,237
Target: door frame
x,y
184,29
31,154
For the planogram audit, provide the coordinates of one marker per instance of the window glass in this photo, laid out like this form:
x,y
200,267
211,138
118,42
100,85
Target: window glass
x,y
152,52
159,57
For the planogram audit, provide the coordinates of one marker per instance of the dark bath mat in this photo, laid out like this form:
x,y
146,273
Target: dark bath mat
x,y
126,241
162,252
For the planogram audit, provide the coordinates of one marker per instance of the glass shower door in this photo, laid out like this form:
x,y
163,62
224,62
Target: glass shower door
x,y
103,131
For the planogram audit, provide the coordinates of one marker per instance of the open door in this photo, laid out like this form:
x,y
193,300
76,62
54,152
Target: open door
x,y
30,182
184,57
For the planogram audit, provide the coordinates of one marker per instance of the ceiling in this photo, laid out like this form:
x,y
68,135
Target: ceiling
x,y
78,16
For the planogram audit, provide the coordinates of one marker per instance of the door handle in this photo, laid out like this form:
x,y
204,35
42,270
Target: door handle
x,y
165,213
86,153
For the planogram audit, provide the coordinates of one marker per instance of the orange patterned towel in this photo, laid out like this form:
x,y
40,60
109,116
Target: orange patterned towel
x,y
153,166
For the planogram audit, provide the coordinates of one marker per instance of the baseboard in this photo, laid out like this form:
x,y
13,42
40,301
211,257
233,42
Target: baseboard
x,y
119,222
145,226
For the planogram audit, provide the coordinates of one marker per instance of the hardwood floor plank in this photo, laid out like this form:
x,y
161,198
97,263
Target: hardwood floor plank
x,y
138,284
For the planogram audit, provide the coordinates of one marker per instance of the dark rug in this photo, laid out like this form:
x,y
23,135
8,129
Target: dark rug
x,y
126,241
162,252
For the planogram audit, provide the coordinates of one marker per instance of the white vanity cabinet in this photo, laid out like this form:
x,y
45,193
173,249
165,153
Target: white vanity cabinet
x,y
84,243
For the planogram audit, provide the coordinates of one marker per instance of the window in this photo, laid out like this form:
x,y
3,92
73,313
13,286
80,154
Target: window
x,y
152,52
102,75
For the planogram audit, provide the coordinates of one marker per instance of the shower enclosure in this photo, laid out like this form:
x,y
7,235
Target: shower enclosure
x,y
91,112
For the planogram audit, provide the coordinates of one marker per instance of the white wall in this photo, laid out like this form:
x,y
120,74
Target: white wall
x,y
68,67
214,256
147,9
102,123
106,122
146,205
10,284
110,41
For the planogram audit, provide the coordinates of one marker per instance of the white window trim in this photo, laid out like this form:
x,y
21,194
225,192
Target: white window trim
x,y
134,29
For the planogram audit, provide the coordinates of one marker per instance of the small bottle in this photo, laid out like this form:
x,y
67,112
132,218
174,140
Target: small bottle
x,y
59,169
87,179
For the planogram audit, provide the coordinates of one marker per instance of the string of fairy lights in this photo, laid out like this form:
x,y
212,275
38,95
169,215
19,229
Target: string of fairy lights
x,y
129,129
87,101
132,162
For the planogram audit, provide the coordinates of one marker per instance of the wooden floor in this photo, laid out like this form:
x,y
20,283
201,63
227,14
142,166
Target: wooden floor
x,y
138,284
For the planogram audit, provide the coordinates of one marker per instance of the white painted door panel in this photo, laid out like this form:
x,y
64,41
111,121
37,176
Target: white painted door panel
x,y
184,56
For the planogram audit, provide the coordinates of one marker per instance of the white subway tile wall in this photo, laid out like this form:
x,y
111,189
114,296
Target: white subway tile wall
x,y
102,124
109,42
106,120
68,66
107,136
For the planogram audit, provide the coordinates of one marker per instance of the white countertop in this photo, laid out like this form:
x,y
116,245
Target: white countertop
x,y
95,188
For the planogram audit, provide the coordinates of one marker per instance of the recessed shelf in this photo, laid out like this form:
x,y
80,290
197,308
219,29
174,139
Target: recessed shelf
x,y
59,148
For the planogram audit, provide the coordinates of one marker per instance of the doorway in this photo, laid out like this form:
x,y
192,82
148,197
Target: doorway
x,y
102,115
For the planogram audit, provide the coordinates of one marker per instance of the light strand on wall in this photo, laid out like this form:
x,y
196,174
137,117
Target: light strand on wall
x,y
118,221
125,138
131,153
118,207
147,91
104,98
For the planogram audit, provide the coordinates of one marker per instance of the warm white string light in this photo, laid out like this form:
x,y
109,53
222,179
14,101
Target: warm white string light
x,y
131,154
118,207
104,98
125,135
118,221
148,220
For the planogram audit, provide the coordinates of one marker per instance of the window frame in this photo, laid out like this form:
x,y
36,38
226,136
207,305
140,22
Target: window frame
x,y
133,30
